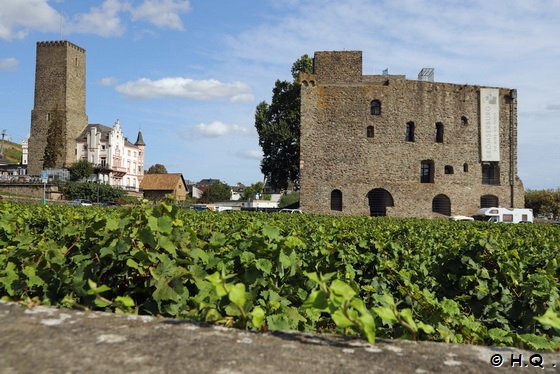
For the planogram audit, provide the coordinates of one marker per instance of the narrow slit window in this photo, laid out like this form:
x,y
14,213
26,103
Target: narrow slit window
x,y
370,132
410,131
439,132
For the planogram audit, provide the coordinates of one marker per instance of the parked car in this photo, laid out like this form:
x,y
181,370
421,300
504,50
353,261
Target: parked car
x,y
82,202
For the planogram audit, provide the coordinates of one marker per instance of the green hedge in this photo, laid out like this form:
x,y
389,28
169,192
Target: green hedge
x,y
466,282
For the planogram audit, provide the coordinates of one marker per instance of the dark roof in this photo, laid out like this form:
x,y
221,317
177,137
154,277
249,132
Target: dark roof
x,y
139,139
105,130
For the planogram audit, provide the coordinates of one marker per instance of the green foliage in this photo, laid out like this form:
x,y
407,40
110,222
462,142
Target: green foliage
x,y
55,141
91,191
288,199
157,169
544,202
251,191
217,191
80,170
461,282
278,127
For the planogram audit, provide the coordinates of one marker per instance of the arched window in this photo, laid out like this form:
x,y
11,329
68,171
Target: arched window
x,y
376,107
427,171
379,199
439,132
489,201
464,120
448,169
466,167
441,204
370,132
410,131
336,200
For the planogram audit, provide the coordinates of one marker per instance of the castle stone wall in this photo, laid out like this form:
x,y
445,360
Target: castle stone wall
x,y
337,154
60,95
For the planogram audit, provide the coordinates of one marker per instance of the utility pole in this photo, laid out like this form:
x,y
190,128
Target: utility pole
x,y
2,145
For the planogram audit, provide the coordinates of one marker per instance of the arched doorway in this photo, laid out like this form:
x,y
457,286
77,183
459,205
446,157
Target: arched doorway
x,y
441,204
379,199
489,201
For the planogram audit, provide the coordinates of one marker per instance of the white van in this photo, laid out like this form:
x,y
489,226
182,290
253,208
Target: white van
x,y
509,215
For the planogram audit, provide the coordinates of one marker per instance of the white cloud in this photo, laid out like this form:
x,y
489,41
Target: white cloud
x,y
217,129
104,20
250,154
162,13
108,81
186,88
18,18
8,63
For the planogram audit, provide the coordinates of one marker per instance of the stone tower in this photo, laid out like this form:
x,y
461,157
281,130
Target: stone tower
x,y
60,103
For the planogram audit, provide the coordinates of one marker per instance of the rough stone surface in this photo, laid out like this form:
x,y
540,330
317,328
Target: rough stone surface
x,y
60,94
49,340
337,154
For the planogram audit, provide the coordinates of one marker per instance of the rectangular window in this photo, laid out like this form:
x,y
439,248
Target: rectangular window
x,y
508,217
491,173
427,171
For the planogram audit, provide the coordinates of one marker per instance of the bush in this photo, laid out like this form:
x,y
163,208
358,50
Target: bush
x,y
92,191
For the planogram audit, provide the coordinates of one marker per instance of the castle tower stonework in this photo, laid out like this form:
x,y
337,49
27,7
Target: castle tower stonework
x,y
59,103
386,145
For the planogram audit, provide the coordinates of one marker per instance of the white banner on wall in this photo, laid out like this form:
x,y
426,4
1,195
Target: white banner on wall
x,y
490,124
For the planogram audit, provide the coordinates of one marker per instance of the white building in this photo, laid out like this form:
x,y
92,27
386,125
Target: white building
x,y
116,161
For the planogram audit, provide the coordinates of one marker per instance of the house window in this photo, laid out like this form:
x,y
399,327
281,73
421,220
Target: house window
x,y
369,131
103,161
448,169
464,121
489,201
103,147
427,171
336,200
491,173
376,107
466,167
410,132
442,205
439,132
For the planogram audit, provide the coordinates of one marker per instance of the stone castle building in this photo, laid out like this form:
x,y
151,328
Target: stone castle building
x,y
60,108
386,145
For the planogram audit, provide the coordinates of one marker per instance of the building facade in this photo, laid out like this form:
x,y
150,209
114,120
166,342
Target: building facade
x,y
59,103
116,160
386,145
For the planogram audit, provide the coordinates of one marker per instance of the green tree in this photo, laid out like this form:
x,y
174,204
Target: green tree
x,y
288,199
252,190
55,141
278,126
157,169
543,202
80,170
217,191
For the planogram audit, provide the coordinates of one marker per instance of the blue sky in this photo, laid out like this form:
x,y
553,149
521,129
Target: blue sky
x,y
189,73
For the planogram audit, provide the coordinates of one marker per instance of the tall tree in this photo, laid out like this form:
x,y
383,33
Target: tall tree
x,y
278,127
157,169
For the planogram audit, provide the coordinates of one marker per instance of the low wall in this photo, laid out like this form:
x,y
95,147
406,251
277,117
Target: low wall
x,y
32,190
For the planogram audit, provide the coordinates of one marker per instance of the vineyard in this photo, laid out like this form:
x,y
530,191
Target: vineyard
x,y
464,282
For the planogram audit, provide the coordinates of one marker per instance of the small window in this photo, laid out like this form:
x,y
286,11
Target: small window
x,y
448,169
369,131
439,132
466,167
376,107
103,147
464,120
336,200
410,132
524,217
508,217
427,171
48,116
